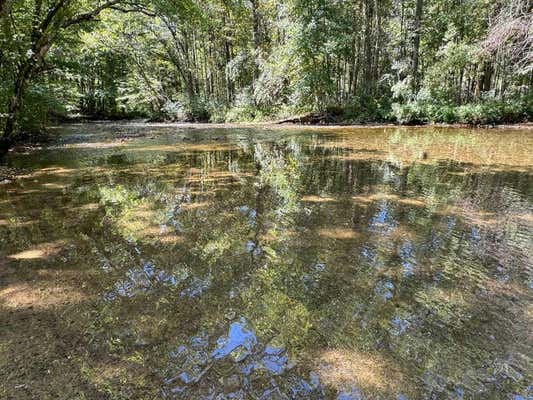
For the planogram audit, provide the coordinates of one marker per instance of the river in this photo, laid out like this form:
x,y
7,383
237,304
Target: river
x,y
189,262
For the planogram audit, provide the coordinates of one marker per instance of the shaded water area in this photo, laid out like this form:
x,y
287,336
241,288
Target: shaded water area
x,y
147,262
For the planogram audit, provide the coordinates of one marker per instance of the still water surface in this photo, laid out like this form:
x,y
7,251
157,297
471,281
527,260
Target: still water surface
x,y
147,262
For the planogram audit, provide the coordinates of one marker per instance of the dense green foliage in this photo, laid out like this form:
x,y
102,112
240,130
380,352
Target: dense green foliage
x,y
362,60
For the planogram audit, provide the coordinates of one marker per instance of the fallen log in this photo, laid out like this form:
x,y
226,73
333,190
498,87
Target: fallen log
x,y
308,119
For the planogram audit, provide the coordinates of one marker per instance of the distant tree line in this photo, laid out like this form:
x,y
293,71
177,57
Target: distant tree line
x,y
232,60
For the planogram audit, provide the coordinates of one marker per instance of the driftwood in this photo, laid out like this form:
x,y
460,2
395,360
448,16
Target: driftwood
x,y
309,119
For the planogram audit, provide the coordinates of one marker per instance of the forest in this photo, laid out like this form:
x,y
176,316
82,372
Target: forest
x,y
349,61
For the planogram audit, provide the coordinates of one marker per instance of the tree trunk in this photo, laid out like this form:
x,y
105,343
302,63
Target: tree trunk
x,y
460,87
4,24
367,68
4,7
487,77
256,35
229,83
416,43
5,145
256,39
15,106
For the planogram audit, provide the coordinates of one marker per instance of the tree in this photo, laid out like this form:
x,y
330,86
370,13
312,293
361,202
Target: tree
x,y
510,41
39,29
416,41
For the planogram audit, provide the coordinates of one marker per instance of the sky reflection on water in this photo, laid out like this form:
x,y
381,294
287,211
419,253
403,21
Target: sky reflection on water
x,y
269,264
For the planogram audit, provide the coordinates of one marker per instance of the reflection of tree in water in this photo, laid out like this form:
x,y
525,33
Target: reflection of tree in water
x,y
443,245
413,262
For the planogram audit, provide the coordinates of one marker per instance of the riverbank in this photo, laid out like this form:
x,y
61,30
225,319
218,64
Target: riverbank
x,y
287,125
36,141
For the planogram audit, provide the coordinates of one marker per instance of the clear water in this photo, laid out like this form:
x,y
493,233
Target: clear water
x,y
188,262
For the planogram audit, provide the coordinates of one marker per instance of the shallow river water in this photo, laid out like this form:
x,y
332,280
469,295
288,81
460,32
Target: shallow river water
x,y
188,262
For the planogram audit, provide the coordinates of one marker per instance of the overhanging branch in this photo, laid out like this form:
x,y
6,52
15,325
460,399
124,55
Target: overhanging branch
x,y
90,15
135,9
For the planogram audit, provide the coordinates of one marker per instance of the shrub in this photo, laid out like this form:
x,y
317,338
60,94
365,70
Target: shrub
x,y
217,113
409,113
240,114
441,113
488,112
365,108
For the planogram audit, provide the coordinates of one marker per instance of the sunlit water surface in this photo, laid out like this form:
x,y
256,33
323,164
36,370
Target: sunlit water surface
x,y
142,262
